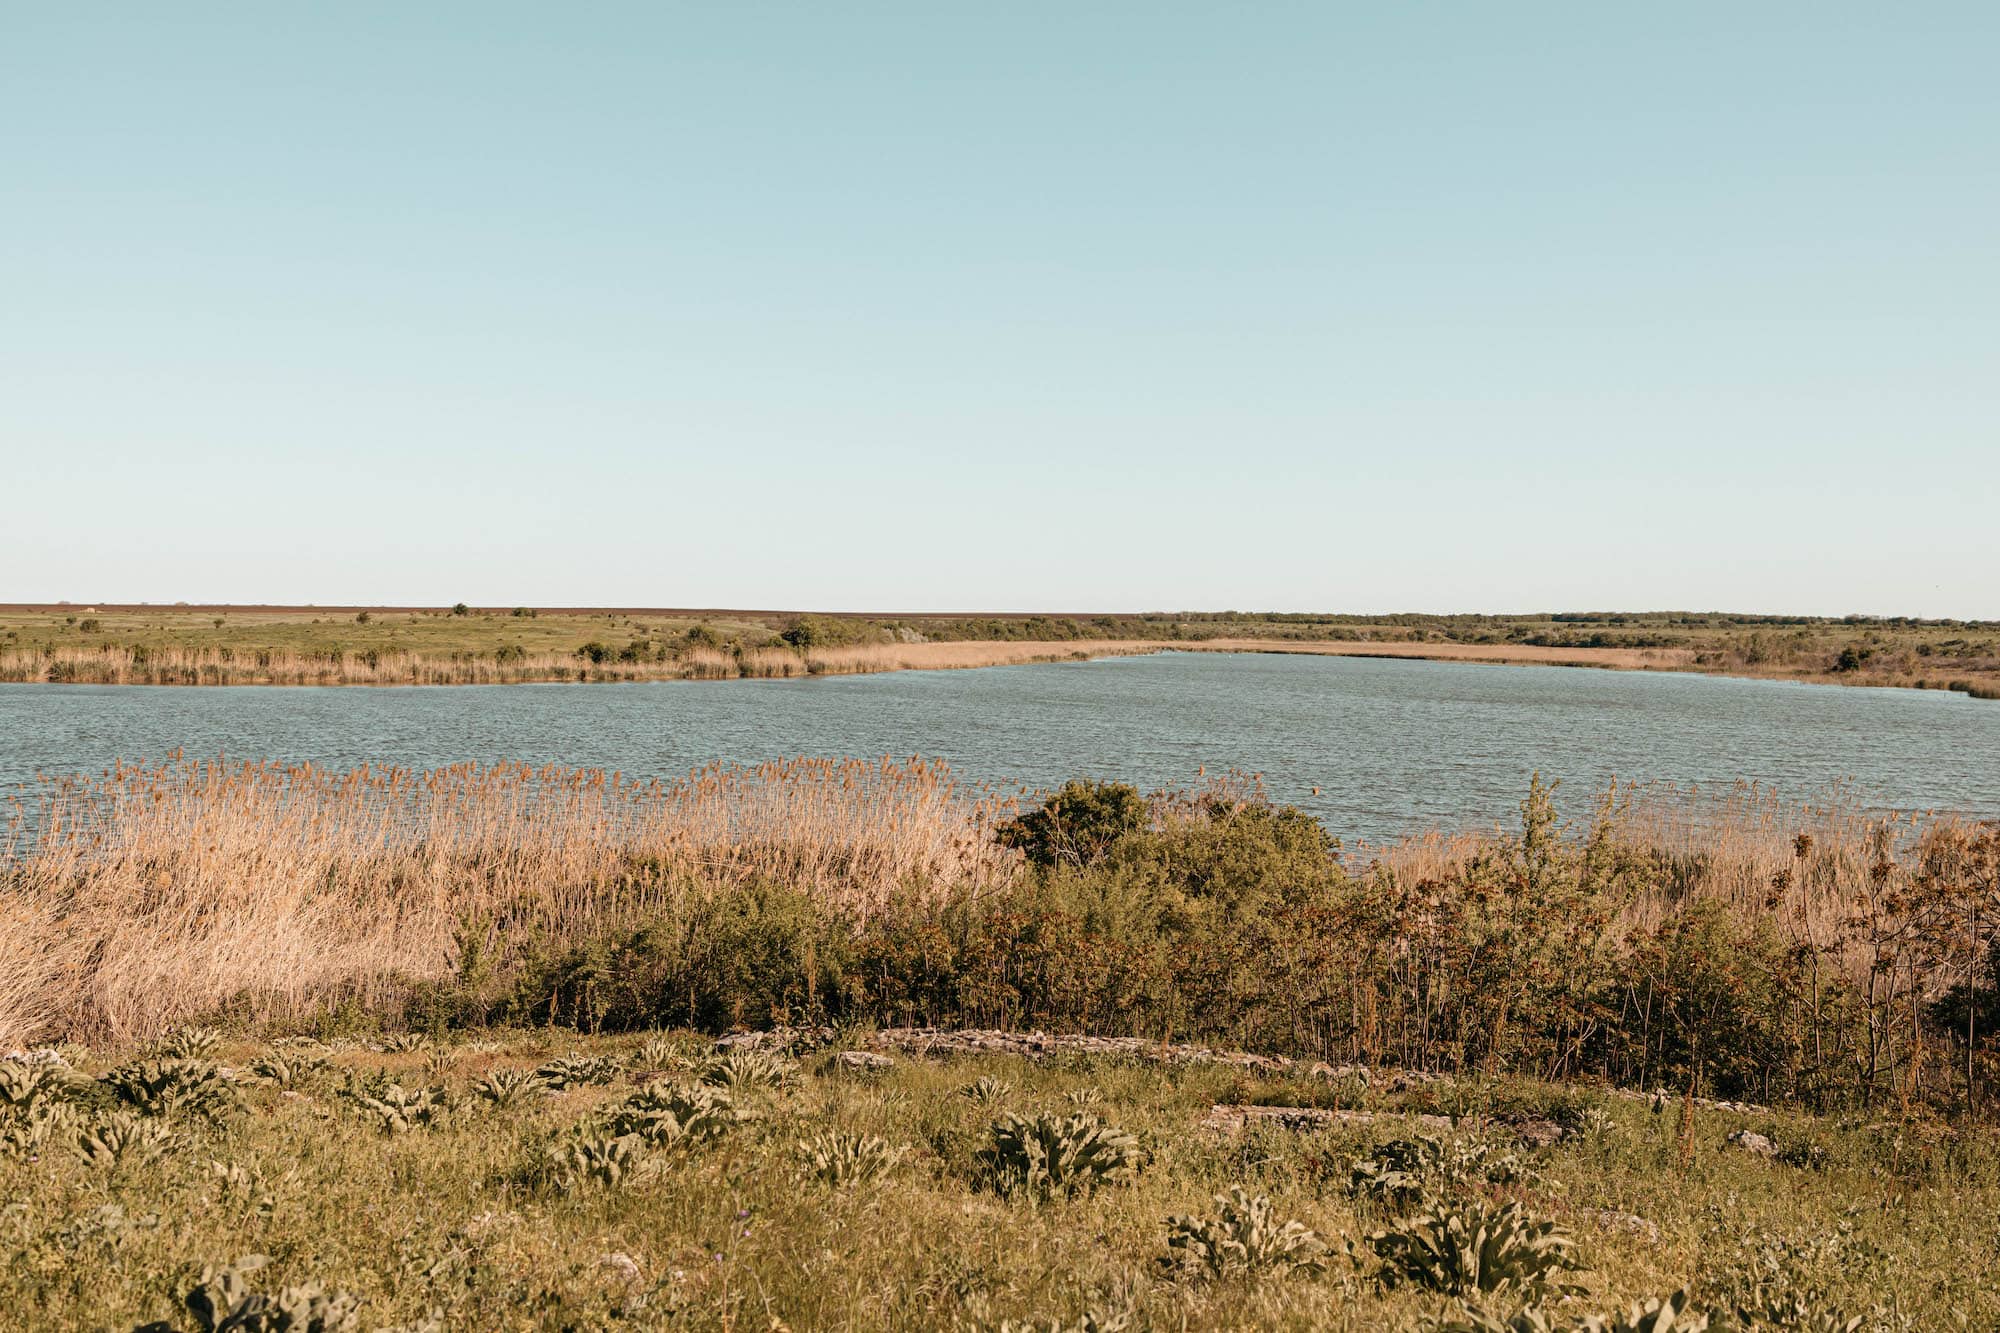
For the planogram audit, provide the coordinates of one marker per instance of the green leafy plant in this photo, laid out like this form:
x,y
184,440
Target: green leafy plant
x,y
288,1069
1469,1249
987,1089
401,1110
1245,1237
612,1161
123,1139
191,1044
1046,1155
505,1089
30,1131
575,1071
1078,825
671,1115
24,1086
838,1158
174,1087
224,1302
743,1071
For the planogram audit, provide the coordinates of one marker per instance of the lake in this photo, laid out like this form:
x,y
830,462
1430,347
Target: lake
x,y
1392,746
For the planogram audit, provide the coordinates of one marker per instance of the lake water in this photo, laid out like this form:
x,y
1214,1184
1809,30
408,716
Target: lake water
x,y
1391,745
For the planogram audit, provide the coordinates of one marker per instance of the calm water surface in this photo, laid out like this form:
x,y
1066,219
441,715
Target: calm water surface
x,y
1391,745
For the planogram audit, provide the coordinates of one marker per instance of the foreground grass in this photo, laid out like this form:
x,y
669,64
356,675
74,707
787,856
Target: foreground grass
x,y
471,1223
197,645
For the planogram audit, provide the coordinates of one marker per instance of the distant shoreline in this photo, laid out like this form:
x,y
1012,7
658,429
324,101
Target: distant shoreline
x,y
265,645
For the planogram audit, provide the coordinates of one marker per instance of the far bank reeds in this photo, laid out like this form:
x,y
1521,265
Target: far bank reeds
x,y
595,663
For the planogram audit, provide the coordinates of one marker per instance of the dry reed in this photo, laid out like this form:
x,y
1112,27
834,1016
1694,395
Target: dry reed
x,y
135,899
219,666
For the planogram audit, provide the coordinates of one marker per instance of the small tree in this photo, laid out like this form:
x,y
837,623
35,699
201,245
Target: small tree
x,y
1078,824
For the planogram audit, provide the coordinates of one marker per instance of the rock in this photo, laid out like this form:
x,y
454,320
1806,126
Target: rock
x,y
1750,1141
863,1062
1231,1119
1536,1132
1606,1219
621,1263
40,1056
1664,1099
792,1041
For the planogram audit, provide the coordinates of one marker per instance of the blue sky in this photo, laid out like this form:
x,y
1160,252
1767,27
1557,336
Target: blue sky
x,y
1440,307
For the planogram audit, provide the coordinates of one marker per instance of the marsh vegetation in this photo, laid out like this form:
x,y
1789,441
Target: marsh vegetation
x,y
156,645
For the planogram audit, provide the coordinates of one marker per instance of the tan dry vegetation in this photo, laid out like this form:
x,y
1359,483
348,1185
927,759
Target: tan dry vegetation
x,y
215,666
146,895
1514,654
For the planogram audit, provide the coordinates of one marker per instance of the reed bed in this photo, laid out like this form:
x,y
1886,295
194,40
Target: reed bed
x,y
112,665
148,896
130,900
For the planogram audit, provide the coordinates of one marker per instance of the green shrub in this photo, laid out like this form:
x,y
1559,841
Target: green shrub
x,y
838,1158
670,1115
1078,824
575,1071
1245,1237
223,1302
174,1087
505,1089
121,1138
1046,1156
400,1110
1471,1249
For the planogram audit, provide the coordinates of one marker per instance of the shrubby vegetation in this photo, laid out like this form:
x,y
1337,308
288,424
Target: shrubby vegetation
x,y
1558,953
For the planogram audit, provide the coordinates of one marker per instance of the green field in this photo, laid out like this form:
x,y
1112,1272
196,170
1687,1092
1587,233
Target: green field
x,y
516,1179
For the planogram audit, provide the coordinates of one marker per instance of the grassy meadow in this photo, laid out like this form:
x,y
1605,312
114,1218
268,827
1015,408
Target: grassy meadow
x,y
197,645
537,1179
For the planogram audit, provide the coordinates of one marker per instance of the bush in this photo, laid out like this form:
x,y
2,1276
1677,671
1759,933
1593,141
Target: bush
x,y
1246,1237
1078,824
1472,1249
1048,1156
838,1158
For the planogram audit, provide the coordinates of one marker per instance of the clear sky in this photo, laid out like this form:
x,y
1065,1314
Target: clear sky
x,y
950,306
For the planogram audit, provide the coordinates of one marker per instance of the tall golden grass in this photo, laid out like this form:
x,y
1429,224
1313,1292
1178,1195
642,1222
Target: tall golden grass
x,y
216,666
137,898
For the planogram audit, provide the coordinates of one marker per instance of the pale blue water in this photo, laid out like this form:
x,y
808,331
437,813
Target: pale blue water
x,y
1392,745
